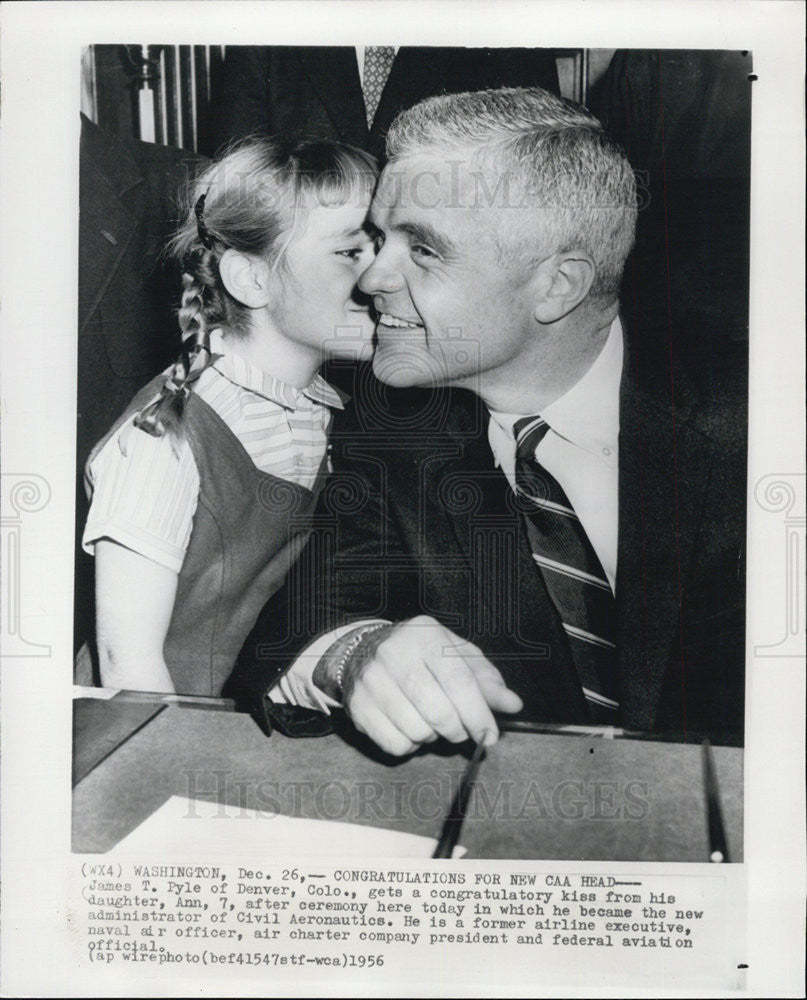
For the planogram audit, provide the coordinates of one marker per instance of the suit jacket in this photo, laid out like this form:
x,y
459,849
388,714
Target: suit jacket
x,y
129,197
127,328
417,520
684,120
297,92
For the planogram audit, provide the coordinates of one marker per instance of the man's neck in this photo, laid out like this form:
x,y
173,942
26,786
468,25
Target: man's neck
x,y
558,361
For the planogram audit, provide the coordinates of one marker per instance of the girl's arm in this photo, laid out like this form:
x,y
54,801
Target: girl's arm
x,y
134,599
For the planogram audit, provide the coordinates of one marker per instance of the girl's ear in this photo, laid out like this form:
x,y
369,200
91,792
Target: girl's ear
x,y
246,278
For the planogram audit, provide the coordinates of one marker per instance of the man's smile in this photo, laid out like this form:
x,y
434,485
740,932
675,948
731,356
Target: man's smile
x,y
385,319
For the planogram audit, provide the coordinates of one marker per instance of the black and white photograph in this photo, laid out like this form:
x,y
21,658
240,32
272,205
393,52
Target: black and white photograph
x,y
429,525
391,567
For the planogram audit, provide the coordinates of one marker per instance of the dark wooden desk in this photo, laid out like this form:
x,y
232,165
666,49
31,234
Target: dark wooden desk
x,y
537,796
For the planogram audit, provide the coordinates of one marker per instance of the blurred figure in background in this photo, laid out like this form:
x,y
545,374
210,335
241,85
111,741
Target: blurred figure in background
x,y
352,94
684,119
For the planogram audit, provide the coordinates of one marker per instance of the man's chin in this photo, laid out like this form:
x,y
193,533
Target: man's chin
x,y
402,367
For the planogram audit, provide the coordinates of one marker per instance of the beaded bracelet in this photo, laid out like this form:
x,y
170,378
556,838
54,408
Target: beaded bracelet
x,y
352,644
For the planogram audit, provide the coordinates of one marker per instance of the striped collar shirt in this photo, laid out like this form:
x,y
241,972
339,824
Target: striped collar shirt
x,y
283,429
145,489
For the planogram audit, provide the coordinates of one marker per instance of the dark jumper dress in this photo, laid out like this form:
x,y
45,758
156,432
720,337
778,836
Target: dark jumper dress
x,y
248,529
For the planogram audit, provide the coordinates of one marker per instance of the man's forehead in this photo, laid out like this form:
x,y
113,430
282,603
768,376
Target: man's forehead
x,y
422,187
425,181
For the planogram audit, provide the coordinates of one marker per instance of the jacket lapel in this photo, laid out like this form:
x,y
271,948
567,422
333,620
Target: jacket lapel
x,y
514,611
415,74
334,75
663,472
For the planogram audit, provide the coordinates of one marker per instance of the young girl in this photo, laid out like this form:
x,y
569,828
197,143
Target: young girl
x,y
203,490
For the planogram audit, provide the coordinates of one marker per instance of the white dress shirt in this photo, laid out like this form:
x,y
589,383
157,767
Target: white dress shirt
x,y
581,450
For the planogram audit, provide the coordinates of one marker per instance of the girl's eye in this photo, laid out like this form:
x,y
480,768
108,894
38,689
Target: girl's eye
x,y
353,254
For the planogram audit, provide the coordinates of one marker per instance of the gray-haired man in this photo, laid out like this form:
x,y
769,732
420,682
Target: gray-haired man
x,y
562,541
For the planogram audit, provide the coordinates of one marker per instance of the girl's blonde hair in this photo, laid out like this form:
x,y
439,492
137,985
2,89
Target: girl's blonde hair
x,y
249,199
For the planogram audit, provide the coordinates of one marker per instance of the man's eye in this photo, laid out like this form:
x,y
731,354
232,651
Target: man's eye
x,y
423,252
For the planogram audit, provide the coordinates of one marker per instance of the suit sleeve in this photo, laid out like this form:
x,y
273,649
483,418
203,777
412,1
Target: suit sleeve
x,y
352,569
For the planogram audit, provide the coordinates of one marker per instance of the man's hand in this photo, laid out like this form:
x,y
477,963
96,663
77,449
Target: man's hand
x,y
420,681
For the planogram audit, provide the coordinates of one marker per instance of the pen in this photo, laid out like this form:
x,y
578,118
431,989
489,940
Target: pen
x,y
718,850
507,725
451,828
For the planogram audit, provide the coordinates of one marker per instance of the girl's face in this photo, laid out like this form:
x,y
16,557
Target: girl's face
x,y
320,306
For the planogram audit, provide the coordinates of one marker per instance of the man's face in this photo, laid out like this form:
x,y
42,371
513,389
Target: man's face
x,y
450,313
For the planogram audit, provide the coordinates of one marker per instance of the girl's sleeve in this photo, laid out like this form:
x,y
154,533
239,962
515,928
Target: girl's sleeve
x,y
144,495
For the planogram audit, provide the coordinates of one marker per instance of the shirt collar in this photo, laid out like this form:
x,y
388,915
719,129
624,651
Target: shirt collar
x,y
237,369
588,413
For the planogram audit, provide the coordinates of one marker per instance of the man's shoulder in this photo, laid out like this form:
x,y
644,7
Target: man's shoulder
x,y
382,413
706,393
718,403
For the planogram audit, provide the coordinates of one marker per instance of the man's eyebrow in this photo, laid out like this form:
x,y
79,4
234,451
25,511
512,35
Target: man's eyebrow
x,y
420,232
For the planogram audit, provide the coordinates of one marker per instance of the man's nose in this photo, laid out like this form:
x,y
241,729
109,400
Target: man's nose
x,y
381,276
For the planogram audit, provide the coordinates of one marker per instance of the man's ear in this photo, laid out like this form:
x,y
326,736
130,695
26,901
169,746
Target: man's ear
x,y
563,281
246,278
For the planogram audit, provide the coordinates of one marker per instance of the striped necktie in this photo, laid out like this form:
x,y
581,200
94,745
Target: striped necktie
x,y
378,61
572,572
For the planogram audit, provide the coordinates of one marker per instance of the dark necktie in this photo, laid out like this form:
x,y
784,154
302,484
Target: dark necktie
x,y
572,572
377,65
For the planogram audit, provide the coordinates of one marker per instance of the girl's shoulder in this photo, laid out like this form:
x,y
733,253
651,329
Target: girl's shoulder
x,y
127,452
143,493
121,427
